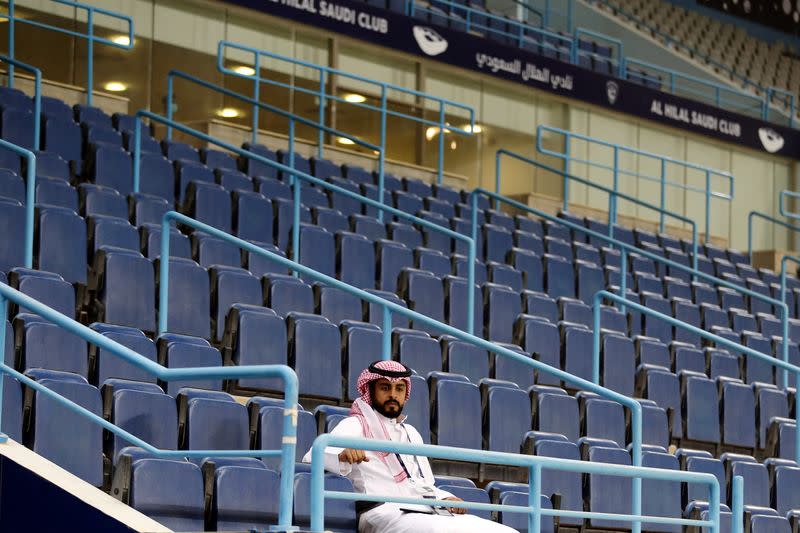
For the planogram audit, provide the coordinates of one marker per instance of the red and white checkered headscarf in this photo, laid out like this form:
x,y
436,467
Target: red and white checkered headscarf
x,y
382,370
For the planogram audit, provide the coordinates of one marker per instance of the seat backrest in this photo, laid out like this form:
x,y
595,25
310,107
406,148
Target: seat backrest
x,y
150,416
315,354
340,515
170,492
507,417
608,494
456,412
189,297
181,351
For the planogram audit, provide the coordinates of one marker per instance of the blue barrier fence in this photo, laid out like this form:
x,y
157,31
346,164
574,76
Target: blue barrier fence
x,y
325,74
627,248
772,220
534,464
716,339
611,195
617,149
90,36
297,186
287,375
37,93
30,196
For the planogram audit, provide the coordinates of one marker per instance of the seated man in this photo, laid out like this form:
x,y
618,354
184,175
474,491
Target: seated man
x,y
385,388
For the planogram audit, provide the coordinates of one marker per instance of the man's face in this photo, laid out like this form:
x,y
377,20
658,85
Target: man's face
x,y
388,398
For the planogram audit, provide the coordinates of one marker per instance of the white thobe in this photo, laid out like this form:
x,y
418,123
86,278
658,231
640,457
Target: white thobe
x,y
373,477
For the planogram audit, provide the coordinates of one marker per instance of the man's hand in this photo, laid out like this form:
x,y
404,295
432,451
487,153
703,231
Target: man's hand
x,y
348,455
456,510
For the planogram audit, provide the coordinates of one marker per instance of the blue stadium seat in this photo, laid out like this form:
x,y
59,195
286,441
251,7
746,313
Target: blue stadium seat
x,y
301,163
417,187
417,350
464,358
217,159
687,357
183,351
268,429
618,364
252,216
12,402
315,354
540,339
559,247
460,268
61,237
530,265
213,424
105,366
41,344
756,479
361,344
356,174
337,305
52,424
559,277
455,292
784,479
114,232
317,249
273,188
15,99
189,298
661,498
405,234
56,192
737,410
540,305
179,244
375,312
209,251
210,204
146,209
111,167
555,412
233,180
700,408
340,516
284,293
440,207
330,219
686,311
602,419
507,417
100,135
590,280
229,286
575,311
87,114
433,261
257,168
12,187
424,293
742,321
713,316
367,226
770,402
186,172
122,288
529,241
254,335
53,107
52,165
704,293
455,414
170,492
662,387
508,369
655,426
756,370
355,260
176,150
47,287
502,306
244,498
283,210
576,353
608,494
567,485
650,351
721,363
63,137
148,414
16,127
655,327
497,242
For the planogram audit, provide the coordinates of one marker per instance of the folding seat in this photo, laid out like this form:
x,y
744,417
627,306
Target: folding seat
x,y
676,288
217,159
15,99
150,238
233,180
424,293
770,402
12,400
742,321
435,239
100,135
500,219
337,305
497,242
63,137
642,264
652,352
340,515
784,477
315,354
417,187
575,311
540,305
252,216
769,326
713,316
502,305
331,220
12,187
738,419
506,419
183,351
446,194
146,209
455,304
356,174
407,202
213,423
188,172
61,237
375,312
176,150
361,345
145,412
715,252
105,367
731,299
46,287
756,479
460,268
601,418
511,370
502,274
355,260
405,234
111,167
702,462
464,358
559,277
756,370
540,339
52,166
55,108
367,226
342,203
587,252
49,425
189,298
528,242
662,387
686,356
16,127
317,249
272,188
86,114
147,144
253,167
209,203
555,246
440,207
555,412
56,192
661,498
686,311
284,293
210,251
655,426
229,286
769,523
455,413
42,344
122,289
530,266
557,231
704,293
244,498
757,305
655,327
433,261
590,280
700,408
98,200
371,192
608,494
416,350
618,363
576,352
723,266
283,210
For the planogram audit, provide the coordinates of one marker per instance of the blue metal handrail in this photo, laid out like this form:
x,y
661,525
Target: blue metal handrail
x,y
789,102
716,339
90,37
758,214
299,178
30,195
784,260
663,212
615,43
615,168
291,117
534,464
324,74
37,93
627,248
782,208
288,442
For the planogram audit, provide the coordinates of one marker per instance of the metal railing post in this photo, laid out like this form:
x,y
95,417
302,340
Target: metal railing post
x,y
616,183
321,134
90,57
296,200
708,205
256,96
386,353
663,194
169,110
737,507
382,156
440,164
535,499
567,160
4,315
11,21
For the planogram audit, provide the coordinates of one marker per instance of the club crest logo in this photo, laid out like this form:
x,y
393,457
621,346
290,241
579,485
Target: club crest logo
x,y
429,41
612,91
771,139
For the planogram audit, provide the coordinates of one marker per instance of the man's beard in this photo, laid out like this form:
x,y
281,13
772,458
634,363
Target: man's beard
x,y
381,408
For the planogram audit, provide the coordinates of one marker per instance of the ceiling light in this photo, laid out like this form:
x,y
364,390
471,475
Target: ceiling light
x,y
122,40
115,87
453,145
472,129
345,140
355,98
431,132
244,70
228,112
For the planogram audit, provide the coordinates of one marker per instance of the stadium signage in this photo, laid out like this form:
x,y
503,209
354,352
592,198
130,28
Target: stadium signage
x,y
386,28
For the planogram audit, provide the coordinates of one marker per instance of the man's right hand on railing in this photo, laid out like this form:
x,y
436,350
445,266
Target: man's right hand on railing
x,y
348,455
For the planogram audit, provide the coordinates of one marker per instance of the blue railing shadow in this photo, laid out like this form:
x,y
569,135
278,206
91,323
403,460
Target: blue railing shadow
x,y
297,186
90,37
289,378
612,194
617,149
321,93
534,465
37,94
